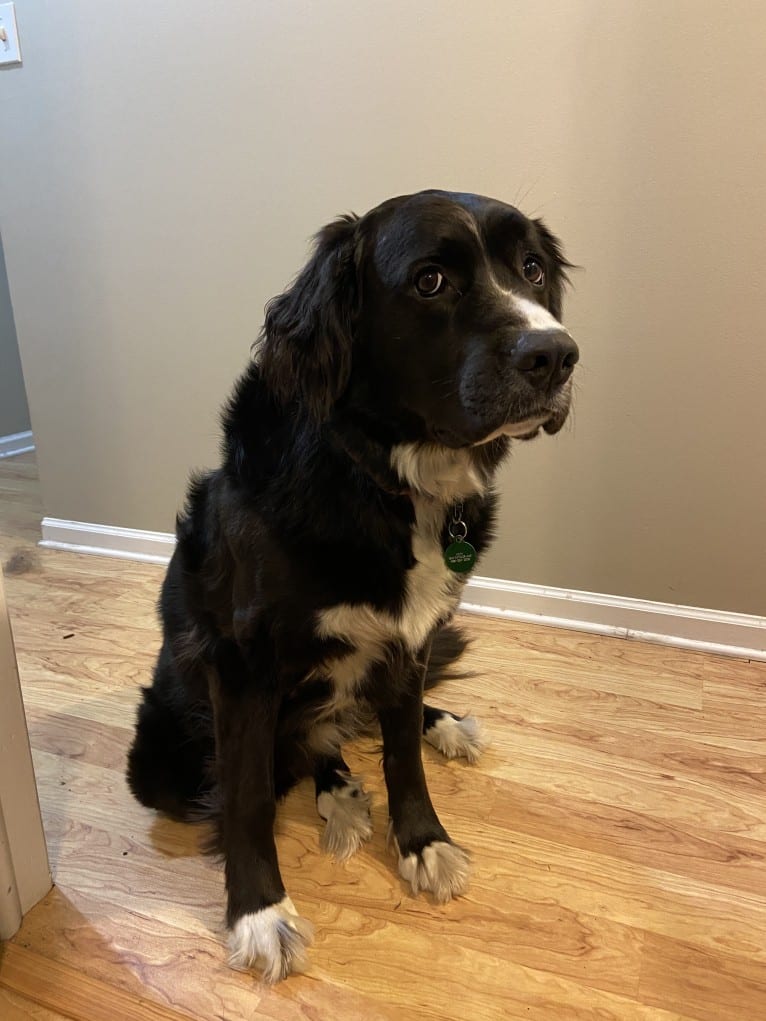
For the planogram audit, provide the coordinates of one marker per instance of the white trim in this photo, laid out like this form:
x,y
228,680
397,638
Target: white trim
x,y
24,868
16,443
107,540
685,627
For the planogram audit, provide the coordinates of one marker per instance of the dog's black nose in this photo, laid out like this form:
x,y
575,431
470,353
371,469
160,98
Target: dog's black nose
x,y
546,358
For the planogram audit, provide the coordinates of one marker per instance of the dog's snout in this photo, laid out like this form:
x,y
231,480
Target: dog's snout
x,y
545,358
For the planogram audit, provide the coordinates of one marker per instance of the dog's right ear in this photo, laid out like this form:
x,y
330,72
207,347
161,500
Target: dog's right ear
x,y
305,347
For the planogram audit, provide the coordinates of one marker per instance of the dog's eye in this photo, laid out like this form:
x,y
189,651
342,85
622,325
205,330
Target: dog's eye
x,y
534,272
429,282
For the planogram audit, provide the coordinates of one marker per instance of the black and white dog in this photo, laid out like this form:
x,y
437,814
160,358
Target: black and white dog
x,y
316,570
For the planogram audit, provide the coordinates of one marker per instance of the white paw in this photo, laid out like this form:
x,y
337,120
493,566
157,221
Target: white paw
x,y
346,811
454,738
273,940
441,868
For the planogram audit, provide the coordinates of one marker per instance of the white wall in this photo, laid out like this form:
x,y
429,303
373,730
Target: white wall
x,y
164,166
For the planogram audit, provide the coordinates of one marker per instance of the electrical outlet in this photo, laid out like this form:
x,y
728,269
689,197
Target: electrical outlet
x,y
10,51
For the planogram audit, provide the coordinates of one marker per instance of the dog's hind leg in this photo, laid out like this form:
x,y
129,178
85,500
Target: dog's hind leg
x,y
344,805
170,757
454,736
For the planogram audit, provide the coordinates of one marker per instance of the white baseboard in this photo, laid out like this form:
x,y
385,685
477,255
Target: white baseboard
x,y
108,541
686,627
16,443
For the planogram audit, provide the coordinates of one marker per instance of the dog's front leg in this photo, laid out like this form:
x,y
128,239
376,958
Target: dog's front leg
x,y
265,931
428,859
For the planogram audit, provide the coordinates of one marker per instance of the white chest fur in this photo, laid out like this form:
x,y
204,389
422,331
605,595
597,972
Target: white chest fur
x,y
431,593
438,476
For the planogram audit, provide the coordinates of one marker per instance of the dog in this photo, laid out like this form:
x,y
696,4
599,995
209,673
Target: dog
x,y
316,571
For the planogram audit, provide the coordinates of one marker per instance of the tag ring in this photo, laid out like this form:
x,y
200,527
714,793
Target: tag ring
x,y
455,532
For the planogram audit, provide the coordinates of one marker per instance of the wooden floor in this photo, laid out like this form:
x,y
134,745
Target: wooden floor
x,y
617,823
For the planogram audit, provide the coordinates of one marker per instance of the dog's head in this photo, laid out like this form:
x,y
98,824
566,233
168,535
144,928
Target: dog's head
x,y
436,316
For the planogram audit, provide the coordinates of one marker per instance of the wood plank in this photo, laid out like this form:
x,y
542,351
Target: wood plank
x,y
14,1007
619,831
68,990
713,987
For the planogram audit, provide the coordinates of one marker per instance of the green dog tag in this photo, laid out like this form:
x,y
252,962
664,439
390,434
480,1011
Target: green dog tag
x,y
460,556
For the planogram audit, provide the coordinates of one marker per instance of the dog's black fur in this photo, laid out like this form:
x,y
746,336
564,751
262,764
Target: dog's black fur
x,y
307,585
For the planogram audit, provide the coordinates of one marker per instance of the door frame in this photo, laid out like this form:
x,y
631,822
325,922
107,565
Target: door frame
x,y
25,875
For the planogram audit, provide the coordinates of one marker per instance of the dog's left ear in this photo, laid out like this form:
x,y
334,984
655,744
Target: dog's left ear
x,y
559,279
305,347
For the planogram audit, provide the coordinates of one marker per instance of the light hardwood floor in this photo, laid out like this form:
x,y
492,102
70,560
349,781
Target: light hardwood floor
x,y
617,824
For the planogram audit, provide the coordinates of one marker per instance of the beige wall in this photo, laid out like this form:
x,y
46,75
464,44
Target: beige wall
x,y
14,414
161,185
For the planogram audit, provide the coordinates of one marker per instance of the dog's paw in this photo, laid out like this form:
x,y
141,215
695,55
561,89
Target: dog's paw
x,y
346,811
441,868
455,737
273,940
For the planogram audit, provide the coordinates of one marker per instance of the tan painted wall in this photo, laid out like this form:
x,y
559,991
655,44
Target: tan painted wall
x,y
14,413
161,186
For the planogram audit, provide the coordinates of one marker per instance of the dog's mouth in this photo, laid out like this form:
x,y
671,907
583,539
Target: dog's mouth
x,y
526,429
551,421
559,414
529,428
548,417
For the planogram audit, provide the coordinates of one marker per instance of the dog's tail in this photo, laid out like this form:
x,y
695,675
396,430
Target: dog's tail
x,y
448,646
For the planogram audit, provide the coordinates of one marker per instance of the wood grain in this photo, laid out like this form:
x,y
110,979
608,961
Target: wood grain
x,y
14,1007
64,988
617,825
